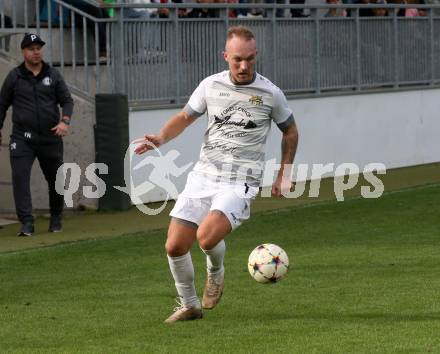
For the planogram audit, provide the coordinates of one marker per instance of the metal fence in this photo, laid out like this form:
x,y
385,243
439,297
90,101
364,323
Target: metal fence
x,y
161,60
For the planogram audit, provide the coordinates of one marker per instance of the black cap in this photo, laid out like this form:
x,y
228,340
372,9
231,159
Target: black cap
x,y
31,38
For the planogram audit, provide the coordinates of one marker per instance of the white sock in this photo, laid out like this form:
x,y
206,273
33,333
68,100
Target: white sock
x,y
182,270
214,258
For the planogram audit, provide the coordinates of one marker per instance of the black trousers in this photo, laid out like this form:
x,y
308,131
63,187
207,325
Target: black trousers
x,y
22,156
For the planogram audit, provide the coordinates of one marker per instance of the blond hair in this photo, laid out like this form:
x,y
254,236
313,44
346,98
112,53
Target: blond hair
x,y
241,32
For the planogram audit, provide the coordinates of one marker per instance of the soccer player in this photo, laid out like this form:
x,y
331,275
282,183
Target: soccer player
x,y
240,105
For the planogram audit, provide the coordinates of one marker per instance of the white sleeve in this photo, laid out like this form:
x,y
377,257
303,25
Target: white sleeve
x,y
280,110
197,101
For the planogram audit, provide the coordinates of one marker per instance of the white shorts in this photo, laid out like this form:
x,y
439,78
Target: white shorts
x,y
202,195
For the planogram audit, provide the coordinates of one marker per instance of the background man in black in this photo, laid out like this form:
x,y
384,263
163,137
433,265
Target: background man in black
x,y
34,89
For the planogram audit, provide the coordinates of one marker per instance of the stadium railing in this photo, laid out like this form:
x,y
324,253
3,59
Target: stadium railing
x,y
159,61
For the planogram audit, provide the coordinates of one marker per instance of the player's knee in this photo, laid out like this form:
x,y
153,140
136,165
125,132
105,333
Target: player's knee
x,y
206,244
175,250
206,241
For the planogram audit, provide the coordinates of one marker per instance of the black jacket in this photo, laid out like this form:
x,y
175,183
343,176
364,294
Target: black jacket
x,y
35,101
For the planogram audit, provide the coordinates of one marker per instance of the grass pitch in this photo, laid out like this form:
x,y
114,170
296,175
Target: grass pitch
x,y
364,279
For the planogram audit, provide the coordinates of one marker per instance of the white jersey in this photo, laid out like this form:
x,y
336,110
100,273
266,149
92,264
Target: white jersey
x,y
239,120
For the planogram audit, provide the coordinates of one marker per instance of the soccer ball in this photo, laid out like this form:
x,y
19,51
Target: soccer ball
x,y
268,263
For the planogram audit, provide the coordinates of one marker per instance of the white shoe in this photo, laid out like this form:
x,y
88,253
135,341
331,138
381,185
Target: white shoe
x,y
184,313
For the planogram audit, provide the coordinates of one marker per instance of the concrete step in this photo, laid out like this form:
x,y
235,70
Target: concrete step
x,y
7,204
4,222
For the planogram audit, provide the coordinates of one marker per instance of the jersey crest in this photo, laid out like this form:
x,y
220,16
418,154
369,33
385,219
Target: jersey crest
x,y
256,100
